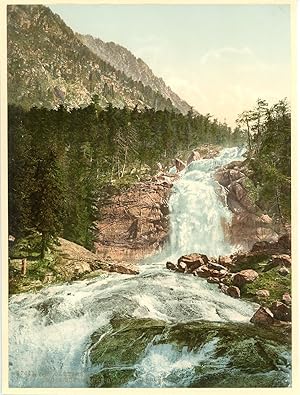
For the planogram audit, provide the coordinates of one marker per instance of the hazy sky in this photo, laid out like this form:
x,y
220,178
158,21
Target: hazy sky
x,y
220,59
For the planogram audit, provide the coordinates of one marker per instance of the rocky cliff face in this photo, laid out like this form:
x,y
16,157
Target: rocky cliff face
x,y
249,223
123,60
48,65
135,222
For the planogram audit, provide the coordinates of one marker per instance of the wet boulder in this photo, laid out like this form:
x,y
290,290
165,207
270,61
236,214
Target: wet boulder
x,y
122,268
263,316
179,164
217,266
170,266
213,280
223,288
194,156
226,176
245,276
203,271
233,291
189,263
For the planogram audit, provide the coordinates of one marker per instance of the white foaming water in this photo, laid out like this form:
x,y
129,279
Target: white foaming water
x,y
164,365
196,209
49,331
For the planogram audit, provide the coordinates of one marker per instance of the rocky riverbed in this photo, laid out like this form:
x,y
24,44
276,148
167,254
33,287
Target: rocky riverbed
x,y
262,275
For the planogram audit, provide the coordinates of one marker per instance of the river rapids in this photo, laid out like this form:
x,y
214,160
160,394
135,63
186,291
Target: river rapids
x,y
155,329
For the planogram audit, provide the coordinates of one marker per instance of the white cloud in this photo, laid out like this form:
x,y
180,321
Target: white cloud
x,y
216,54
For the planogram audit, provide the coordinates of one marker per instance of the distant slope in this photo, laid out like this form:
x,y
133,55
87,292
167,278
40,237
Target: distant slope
x,y
48,65
122,59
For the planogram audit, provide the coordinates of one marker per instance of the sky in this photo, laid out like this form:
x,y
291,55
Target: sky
x,y
219,58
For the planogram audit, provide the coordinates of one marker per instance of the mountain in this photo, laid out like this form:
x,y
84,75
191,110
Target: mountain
x,y
49,65
123,60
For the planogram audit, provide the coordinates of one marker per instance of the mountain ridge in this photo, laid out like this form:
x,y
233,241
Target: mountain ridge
x,y
134,67
48,65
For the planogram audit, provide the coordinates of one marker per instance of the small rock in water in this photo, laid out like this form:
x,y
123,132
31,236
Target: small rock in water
x,y
223,288
234,292
170,266
213,280
281,311
262,293
286,298
263,316
180,165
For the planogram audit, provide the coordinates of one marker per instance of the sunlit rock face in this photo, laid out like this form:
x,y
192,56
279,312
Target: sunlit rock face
x,y
249,224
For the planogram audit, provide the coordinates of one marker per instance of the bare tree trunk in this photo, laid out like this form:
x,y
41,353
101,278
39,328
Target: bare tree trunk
x,y
124,166
24,267
278,206
249,136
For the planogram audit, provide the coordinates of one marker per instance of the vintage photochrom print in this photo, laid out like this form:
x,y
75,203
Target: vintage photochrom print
x,y
149,195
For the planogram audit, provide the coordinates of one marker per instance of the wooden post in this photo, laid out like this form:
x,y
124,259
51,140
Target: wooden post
x,y
24,267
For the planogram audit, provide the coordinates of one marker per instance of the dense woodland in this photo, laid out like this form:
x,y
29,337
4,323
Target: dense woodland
x,y
64,164
268,133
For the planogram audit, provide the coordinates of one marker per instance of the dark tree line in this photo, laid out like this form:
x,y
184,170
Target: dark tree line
x,y
61,162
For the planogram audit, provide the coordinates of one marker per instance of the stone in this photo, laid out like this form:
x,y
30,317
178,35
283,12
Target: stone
x,y
225,261
262,293
284,242
286,298
266,218
213,280
170,266
283,271
122,269
223,288
194,156
203,272
263,316
260,246
233,291
244,276
281,311
217,266
179,164
282,259
189,263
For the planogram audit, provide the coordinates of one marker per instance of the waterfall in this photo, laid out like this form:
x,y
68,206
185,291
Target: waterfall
x,y
50,331
197,210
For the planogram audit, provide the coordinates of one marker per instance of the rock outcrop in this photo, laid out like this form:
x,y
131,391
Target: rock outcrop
x,y
245,276
263,316
249,224
134,223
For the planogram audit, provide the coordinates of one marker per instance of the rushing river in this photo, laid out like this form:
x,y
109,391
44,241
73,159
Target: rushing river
x,y
156,329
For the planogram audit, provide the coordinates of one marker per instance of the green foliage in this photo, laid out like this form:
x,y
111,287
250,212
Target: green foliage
x,y
64,165
271,280
269,152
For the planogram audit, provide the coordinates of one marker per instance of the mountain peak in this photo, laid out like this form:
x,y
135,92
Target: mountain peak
x,y
49,64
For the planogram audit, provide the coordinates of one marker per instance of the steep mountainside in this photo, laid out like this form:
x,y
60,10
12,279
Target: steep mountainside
x,y
123,60
48,65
